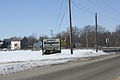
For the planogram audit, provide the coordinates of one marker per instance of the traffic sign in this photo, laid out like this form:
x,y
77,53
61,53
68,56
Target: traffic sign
x,y
40,43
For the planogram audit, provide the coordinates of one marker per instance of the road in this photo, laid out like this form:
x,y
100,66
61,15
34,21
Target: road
x,y
97,69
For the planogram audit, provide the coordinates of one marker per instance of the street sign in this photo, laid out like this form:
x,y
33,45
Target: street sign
x,y
40,43
63,39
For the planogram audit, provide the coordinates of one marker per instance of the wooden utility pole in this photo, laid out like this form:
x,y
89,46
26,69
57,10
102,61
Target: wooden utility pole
x,y
70,24
86,39
96,38
51,33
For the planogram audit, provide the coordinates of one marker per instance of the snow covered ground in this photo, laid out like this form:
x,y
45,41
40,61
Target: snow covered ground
x,y
13,61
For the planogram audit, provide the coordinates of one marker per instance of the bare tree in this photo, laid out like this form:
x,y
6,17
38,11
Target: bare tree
x,y
31,40
116,37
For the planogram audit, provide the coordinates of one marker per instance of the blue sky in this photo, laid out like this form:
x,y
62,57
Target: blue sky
x,y
25,17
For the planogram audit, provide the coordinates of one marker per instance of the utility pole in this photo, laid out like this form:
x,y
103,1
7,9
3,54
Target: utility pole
x,y
87,39
96,38
70,24
51,33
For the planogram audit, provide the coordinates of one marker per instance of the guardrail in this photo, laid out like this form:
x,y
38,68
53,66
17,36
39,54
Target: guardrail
x,y
111,49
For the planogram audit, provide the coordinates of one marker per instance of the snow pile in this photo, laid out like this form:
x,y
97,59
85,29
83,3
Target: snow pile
x,y
13,61
16,67
14,56
10,56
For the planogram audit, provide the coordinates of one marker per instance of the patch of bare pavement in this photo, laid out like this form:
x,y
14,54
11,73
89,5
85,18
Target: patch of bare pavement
x,y
96,68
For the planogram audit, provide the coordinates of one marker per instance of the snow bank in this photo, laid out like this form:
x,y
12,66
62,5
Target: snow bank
x,y
13,61
14,56
16,67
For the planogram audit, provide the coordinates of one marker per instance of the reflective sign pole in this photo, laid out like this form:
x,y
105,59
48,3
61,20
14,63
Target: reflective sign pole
x,y
42,47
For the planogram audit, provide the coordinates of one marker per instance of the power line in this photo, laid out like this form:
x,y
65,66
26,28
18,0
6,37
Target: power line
x,y
102,7
97,4
107,6
60,8
59,13
89,11
61,20
83,9
105,10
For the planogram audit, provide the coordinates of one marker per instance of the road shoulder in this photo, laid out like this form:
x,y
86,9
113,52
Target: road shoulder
x,y
53,68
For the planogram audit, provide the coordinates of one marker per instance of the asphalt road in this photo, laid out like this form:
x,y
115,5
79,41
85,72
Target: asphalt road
x,y
98,69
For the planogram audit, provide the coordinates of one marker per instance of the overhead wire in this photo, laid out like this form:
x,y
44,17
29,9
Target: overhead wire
x,y
62,20
96,3
108,5
99,4
83,9
89,11
105,10
59,14
110,8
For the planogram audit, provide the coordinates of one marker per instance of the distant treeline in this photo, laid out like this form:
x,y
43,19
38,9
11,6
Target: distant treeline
x,y
82,37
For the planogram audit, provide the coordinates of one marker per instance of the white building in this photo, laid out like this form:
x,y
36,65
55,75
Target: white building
x,y
15,45
1,42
